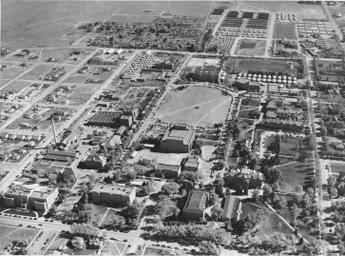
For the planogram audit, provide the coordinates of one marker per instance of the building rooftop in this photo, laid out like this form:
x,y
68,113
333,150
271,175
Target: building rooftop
x,y
182,135
112,189
175,168
43,192
196,201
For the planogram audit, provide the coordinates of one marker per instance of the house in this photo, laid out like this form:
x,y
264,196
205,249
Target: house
x,y
167,171
195,205
178,139
94,162
113,194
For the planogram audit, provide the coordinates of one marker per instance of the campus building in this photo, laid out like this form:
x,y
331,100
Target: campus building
x,y
39,199
195,205
94,162
178,139
190,164
167,171
243,179
112,194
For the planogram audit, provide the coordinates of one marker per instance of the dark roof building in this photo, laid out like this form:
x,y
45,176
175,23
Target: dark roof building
x,y
190,164
94,162
178,139
167,171
195,205
105,118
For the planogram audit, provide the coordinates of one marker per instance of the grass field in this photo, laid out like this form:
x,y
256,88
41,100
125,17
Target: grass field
x,y
12,72
196,106
76,79
263,65
296,174
36,72
288,146
113,248
273,224
249,47
248,207
15,86
337,168
285,30
11,233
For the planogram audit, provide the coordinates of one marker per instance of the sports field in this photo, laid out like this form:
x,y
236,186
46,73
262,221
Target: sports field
x,y
285,30
263,65
195,106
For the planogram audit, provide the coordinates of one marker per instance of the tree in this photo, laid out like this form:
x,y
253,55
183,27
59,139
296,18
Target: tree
x,y
208,248
189,175
267,192
85,229
134,210
170,188
213,198
52,178
272,175
118,221
256,195
217,213
298,189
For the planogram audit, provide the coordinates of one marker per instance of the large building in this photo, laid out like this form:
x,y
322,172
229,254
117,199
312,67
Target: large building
x,y
190,164
167,171
205,74
112,194
105,118
195,205
178,139
39,199
94,162
242,179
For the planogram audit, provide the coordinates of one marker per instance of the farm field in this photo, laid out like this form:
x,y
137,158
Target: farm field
x,y
249,47
10,233
285,30
46,22
36,72
196,106
303,11
295,174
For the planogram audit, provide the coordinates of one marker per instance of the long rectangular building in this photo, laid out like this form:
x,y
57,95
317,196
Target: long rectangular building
x,y
195,205
178,139
112,194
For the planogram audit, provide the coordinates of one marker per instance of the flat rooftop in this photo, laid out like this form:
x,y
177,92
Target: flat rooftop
x,y
112,189
182,135
196,201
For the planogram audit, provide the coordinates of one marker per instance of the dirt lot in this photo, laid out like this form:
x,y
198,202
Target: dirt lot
x,y
196,106
249,47
285,30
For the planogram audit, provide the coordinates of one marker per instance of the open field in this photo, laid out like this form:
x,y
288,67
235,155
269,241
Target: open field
x,y
295,174
36,72
45,23
11,233
236,65
285,30
303,11
249,47
171,159
15,87
12,72
196,106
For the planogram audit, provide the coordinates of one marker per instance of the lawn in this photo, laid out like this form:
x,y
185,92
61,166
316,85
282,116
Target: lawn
x,y
156,251
12,72
248,207
76,79
288,145
296,174
273,224
337,168
249,47
111,248
27,213
196,106
243,113
108,217
285,30
11,233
